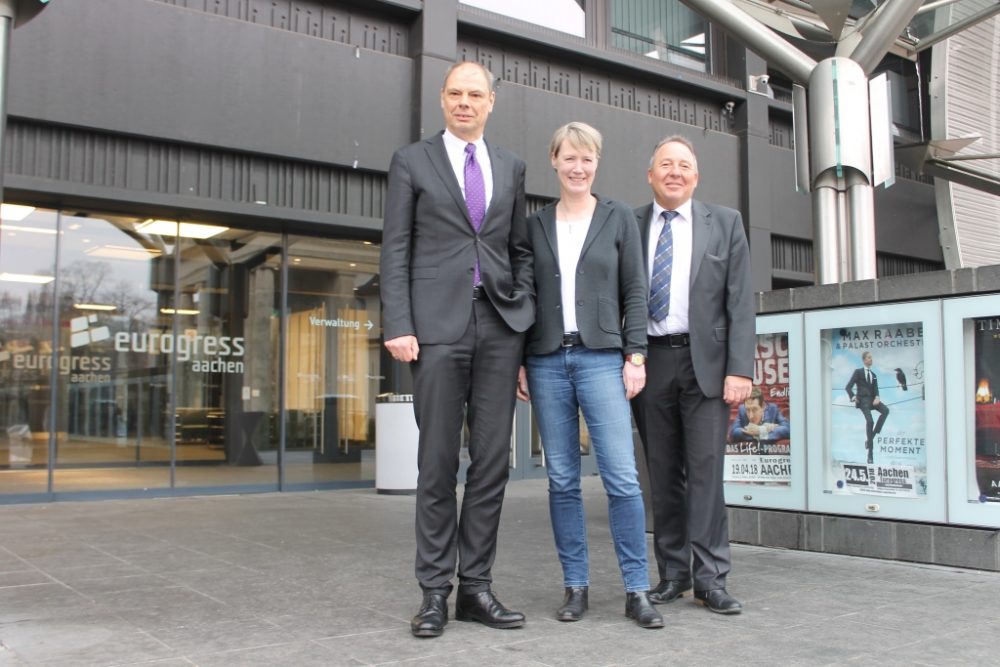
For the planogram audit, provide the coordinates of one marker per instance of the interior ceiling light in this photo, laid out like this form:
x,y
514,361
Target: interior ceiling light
x,y
21,228
94,306
15,212
179,311
187,230
123,252
26,278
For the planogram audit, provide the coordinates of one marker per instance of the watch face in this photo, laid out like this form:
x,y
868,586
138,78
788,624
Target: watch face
x,y
637,359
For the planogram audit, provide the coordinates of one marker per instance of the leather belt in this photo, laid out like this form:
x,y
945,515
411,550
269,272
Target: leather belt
x,y
571,339
670,340
478,293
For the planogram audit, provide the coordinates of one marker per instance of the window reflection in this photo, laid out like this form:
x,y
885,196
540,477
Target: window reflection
x,y
661,29
562,15
27,275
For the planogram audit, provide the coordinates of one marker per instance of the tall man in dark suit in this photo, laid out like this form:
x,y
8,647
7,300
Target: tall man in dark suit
x,y
457,299
862,389
701,353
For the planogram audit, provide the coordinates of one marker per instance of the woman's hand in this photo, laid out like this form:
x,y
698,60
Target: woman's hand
x,y
635,379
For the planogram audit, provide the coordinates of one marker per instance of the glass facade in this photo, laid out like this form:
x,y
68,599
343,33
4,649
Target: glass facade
x,y
662,29
143,356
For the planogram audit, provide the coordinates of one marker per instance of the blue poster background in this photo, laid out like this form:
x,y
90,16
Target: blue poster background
x,y
900,449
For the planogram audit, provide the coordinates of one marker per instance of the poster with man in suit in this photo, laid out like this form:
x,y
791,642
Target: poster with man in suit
x,y
878,443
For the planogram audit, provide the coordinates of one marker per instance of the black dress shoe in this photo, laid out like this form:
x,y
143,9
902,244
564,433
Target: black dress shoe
x,y
638,606
432,617
719,601
486,609
574,604
669,590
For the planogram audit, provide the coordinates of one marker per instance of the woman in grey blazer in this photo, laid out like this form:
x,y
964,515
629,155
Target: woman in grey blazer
x,y
586,352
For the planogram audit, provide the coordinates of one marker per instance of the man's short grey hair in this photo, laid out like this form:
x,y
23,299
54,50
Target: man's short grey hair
x,y
490,79
674,139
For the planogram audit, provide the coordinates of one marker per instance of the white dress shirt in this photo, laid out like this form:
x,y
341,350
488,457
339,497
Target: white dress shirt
x,y
455,148
570,235
680,275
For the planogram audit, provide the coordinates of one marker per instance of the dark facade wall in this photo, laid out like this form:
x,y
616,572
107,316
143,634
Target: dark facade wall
x,y
152,69
287,112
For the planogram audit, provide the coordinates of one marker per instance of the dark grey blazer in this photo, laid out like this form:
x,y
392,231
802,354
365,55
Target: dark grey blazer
x,y
429,247
721,315
611,284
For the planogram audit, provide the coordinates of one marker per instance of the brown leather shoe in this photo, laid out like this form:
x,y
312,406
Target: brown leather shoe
x,y
432,617
486,609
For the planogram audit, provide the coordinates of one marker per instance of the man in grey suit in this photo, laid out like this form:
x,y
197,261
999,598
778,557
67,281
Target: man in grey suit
x,y
701,335
457,299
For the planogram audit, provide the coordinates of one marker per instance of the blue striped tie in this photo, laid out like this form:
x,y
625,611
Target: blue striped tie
x,y
663,261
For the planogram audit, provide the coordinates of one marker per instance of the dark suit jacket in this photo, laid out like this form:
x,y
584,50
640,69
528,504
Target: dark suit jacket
x,y
857,386
611,284
721,313
429,246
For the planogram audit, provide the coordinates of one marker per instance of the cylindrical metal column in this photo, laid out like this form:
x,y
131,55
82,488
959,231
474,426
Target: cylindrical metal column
x,y
6,27
826,258
861,212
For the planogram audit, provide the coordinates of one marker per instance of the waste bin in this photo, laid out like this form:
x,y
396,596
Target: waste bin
x,y
396,437
19,448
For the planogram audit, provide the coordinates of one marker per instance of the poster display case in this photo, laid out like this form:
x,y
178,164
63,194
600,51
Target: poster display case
x,y
972,381
765,463
875,411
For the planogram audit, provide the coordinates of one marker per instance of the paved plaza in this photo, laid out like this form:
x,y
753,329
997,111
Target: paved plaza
x,y
326,578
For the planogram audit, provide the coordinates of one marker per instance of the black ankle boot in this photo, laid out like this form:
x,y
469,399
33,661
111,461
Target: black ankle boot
x,y
638,606
574,604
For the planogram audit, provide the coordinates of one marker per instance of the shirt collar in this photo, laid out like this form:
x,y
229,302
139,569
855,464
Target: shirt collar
x,y
684,210
454,143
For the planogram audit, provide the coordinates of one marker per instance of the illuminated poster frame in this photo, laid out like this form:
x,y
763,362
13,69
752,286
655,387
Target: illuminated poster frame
x,y
971,409
776,370
904,474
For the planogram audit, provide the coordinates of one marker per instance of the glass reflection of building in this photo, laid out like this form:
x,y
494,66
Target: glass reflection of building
x,y
142,355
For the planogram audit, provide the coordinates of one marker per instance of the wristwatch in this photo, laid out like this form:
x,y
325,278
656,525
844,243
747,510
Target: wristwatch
x,y
636,359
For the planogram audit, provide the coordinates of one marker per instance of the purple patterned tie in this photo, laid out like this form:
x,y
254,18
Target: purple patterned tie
x,y
475,196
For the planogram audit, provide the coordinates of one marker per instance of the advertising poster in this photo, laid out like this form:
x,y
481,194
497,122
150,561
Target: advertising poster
x,y
878,443
758,449
986,336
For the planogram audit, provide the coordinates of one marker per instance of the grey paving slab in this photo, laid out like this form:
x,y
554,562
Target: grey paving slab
x,y
326,578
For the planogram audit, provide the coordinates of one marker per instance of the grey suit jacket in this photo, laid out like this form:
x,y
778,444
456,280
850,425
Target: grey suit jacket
x,y
429,247
721,316
611,284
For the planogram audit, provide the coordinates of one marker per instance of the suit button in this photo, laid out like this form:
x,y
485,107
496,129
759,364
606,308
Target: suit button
x,y
580,302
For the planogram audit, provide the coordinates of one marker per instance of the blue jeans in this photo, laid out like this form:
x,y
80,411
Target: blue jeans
x,y
562,384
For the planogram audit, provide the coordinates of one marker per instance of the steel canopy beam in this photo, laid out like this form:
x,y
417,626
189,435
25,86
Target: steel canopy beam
x,y
775,50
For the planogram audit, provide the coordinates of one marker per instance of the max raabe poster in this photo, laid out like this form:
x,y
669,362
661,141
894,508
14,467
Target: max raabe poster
x,y
758,449
878,443
986,334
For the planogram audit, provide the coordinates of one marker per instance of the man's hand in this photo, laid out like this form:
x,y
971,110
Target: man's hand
x,y
403,348
736,389
522,384
876,401
634,378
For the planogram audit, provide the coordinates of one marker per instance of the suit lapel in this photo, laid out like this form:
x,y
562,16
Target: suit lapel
x,y
438,157
498,168
642,218
701,229
601,213
547,217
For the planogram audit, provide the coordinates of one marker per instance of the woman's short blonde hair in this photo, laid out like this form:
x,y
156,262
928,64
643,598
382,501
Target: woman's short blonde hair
x,y
579,135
